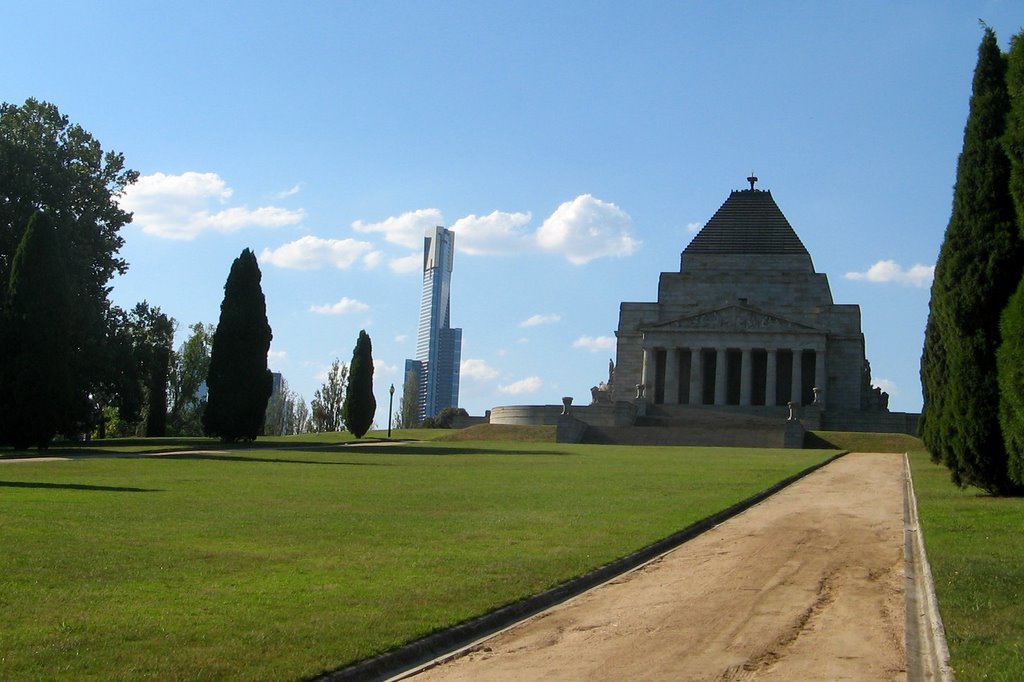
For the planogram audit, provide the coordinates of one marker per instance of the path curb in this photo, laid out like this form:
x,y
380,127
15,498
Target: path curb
x,y
444,644
927,653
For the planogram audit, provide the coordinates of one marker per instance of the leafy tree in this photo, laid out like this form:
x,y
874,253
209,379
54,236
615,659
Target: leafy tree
x,y
48,163
408,407
35,379
329,400
977,270
1010,357
360,405
445,419
239,382
152,334
191,364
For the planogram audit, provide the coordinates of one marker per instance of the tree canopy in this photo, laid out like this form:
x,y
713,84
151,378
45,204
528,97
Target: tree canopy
x,y
360,403
978,268
35,340
50,164
239,382
329,400
1010,357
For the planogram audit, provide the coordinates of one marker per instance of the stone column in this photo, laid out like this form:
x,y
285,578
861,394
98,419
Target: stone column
x,y
720,376
746,377
672,376
820,378
796,392
696,377
648,367
771,370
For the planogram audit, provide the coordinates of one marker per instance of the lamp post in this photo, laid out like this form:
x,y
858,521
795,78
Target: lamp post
x,y
391,402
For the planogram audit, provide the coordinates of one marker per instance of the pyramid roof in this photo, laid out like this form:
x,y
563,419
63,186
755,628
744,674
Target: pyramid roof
x,y
749,222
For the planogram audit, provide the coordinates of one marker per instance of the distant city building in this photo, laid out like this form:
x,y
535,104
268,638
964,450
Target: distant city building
x,y
438,347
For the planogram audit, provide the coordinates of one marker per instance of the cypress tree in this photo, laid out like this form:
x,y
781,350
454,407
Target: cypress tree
x,y
360,404
36,386
1010,358
239,382
977,270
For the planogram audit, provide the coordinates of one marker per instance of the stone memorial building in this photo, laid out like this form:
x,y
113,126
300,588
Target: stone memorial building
x,y
746,322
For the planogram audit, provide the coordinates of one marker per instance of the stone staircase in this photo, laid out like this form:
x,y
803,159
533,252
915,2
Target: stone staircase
x,y
758,427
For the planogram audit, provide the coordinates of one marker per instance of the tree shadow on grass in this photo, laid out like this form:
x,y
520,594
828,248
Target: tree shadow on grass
x,y
76,486
266,460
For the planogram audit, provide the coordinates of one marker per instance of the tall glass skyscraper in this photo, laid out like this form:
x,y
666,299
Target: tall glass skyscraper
x,y
438,347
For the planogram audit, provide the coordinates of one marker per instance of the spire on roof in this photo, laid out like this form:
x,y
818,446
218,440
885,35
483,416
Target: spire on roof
x,y
752,179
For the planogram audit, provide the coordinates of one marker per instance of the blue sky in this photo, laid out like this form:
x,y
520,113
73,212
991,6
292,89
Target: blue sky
x,y
574,147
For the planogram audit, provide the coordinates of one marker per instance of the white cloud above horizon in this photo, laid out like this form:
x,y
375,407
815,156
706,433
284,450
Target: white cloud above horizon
x,y
537,320
406,229
343,307
886,385
587,228
693,227
595,343
313,253
889,271
478,370
182,207
406,264
498,233
527,385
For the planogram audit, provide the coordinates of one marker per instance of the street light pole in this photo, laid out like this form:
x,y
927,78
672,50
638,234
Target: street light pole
x,y
391,402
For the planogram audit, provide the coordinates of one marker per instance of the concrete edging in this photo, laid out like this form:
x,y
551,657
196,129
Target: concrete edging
x,y
927,653
445,644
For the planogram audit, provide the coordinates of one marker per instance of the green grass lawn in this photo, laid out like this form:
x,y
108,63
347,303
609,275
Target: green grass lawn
x,y
975,545
277,564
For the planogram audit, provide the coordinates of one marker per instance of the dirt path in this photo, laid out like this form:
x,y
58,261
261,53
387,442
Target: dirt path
x,y
808,585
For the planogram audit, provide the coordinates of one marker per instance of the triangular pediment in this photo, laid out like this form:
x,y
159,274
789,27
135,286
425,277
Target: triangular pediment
x,y
733,318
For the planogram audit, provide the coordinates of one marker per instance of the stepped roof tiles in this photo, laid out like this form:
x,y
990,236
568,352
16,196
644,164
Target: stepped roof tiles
x,y
749,222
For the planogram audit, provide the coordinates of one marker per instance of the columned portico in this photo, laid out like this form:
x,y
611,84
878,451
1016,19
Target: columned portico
x,y
738,375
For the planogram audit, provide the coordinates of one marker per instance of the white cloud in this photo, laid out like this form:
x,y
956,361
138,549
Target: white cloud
x,y
477,369
401,338
407,264
587,228
343,307
406,229
527,385
886,385
179,207
277,358
537,320
886,271
595,343
373,259
693,227
498,233
311,253
380,368
287,193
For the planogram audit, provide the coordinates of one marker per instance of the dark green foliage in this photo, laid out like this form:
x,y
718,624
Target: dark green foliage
x,y
152,334
978,268
444,419
239,382
360,404
36,392
1011,353
190,366
47,163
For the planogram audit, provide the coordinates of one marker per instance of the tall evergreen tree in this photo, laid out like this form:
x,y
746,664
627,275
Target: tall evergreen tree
x,y
977,270
360,404
36,390
239,382
1010,357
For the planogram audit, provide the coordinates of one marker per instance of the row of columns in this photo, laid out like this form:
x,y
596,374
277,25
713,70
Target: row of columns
x,y
696,387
